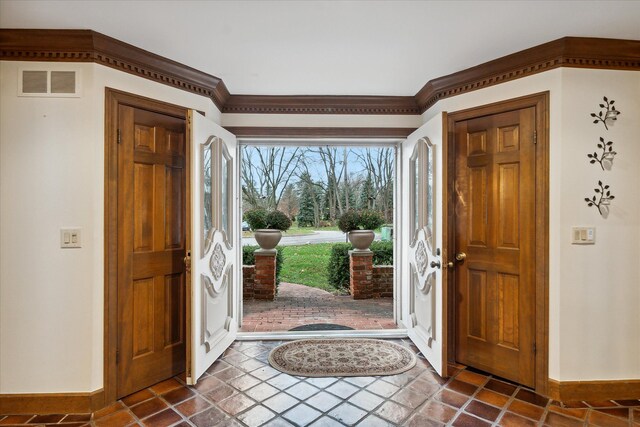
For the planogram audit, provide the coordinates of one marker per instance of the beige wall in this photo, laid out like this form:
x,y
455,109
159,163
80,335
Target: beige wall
x,y
594,291
52,176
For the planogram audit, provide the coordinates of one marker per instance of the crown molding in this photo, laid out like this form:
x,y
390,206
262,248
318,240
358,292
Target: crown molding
x,y
576,52
90,46
318,104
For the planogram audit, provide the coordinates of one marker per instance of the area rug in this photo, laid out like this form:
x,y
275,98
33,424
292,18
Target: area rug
x,y
341,358
322,327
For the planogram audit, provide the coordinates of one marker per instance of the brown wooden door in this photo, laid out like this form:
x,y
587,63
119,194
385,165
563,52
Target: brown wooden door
x,y
494,194
151,248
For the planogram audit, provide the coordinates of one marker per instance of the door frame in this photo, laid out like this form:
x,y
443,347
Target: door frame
x,y
540,101
113,99
313,137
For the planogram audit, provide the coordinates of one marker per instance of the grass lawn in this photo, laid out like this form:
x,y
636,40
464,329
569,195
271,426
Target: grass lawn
x,y
307,265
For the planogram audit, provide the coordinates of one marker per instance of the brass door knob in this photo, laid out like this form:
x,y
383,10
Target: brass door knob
x,y
461,256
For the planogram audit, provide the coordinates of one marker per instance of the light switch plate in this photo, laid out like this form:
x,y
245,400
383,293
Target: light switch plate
x,y
583,235
70,238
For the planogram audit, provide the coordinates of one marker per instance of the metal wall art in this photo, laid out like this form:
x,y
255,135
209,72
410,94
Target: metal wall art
x,y
607,114
605,159
602,203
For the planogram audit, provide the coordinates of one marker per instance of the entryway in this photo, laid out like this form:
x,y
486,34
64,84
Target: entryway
x,y
203,244
314,183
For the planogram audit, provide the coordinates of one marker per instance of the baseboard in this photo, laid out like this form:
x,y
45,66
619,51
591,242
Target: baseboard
x,y
567,391
51,403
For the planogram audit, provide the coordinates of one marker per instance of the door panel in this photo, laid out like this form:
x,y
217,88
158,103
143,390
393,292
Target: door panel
x,y
423,306
495,228
214,253
151,273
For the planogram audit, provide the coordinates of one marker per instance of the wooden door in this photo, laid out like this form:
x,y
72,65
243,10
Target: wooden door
x,y
494,192
151,248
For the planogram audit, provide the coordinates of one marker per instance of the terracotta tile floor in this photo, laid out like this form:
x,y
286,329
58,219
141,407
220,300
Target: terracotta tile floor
x,y
298,305
241,389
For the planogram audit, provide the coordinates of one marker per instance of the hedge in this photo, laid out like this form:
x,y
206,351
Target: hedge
x,y
248,258
339,261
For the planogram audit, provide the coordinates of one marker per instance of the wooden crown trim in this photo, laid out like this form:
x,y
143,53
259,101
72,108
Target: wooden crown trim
x,y
302,104
90,46
577,52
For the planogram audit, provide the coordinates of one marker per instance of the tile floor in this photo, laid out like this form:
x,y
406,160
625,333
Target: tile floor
x,y
242,390
298,305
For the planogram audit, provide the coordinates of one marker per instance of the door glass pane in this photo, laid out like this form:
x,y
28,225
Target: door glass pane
x,y
226,201
207,202
429,193
414,194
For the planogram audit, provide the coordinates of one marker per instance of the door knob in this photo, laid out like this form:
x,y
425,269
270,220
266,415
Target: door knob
x,y
461,256
435,264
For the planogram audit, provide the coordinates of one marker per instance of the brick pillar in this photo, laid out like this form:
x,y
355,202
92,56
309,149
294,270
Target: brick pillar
x,y
248,279
361,272
264,285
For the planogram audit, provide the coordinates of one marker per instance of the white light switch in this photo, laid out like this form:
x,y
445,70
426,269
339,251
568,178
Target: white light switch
x,y
70,238
583,236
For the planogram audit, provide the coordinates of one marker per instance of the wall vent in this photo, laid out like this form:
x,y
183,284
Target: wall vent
x,y
49,83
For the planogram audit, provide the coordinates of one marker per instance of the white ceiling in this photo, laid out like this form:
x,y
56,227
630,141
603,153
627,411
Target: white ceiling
x,y
331,47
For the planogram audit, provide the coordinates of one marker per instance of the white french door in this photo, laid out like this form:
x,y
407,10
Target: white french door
x,y
214,253
422,303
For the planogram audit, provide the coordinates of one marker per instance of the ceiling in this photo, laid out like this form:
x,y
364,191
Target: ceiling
x,y
331,47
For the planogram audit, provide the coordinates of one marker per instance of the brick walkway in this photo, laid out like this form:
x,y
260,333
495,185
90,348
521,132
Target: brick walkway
x,y
297,305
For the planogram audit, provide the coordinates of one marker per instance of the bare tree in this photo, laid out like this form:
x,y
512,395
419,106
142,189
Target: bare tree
x,y
266,172
379,164
337,195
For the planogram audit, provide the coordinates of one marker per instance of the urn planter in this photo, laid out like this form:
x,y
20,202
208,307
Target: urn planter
x,y
267,238
361,239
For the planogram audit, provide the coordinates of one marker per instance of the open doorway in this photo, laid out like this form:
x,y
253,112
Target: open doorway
x,y
314,184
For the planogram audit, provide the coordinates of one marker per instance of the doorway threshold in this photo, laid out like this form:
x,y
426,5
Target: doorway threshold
x,y
297,335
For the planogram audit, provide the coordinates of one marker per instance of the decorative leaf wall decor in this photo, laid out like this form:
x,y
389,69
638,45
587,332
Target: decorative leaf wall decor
x,y
606,114
601,200
605,159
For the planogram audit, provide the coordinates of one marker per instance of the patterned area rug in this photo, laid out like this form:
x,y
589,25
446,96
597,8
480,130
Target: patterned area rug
x,y
341,358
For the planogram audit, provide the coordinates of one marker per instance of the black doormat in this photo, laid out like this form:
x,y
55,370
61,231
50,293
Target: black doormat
x,y
321,327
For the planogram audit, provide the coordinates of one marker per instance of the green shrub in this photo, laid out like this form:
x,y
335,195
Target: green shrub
x,y
248,258
365,219
348,221
256,218
277,220
338,267
370,220
382,253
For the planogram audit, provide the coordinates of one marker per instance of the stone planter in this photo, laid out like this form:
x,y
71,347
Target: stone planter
x,y
268,239
361,239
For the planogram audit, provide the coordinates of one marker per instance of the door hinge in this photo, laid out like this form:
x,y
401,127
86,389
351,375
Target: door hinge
x,y
119,136
535,136
117,356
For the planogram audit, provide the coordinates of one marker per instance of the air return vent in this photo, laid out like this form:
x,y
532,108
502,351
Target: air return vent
x,y
49,83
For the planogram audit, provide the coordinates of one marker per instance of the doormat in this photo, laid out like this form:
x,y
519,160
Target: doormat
x,y
341,358
322,327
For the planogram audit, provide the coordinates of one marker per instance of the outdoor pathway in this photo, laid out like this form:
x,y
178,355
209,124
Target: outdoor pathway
x,y
297,305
